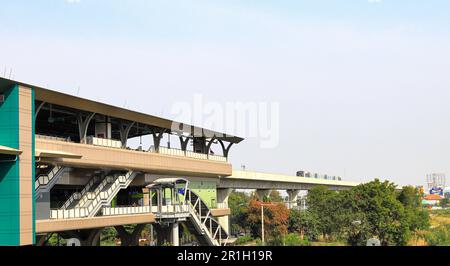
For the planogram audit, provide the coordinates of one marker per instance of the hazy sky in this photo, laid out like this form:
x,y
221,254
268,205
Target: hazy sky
x,y
363,85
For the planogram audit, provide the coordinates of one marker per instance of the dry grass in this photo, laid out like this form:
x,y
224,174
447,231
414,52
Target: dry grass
x,y
436,220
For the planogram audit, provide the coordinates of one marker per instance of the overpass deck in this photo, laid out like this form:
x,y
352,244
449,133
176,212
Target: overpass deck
x,y
258,180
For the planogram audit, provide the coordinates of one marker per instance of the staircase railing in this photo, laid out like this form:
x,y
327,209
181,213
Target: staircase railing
x,y
205,223
98,198
79,195
45,182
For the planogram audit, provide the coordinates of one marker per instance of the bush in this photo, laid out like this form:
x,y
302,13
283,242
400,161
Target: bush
x,y
292,240
243,239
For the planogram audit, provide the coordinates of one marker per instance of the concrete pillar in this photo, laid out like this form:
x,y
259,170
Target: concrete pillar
x,y
175,235
293,197
146,194
222,199
43,206
263,193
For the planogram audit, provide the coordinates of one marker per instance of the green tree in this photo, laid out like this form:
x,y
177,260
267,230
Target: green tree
x,y
383,215
305,223
238,204
328,208
445,203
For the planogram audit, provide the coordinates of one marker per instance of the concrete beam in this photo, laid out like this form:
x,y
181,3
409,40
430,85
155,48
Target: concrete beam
x,y
273,185
51,226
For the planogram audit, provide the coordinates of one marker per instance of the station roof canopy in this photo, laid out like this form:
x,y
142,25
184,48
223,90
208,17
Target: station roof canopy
x,y
74,102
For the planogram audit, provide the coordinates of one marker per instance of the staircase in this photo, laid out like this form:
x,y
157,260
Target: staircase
x,y
45,182
78,197
207,228
89,202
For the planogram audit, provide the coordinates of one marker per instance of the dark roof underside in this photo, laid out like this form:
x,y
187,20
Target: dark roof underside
x,y
66,100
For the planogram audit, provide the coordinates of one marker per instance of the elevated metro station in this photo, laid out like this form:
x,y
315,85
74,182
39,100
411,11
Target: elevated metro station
x,y
66,167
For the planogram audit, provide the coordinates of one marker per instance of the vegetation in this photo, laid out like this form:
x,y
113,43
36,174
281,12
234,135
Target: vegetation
x,y
243,240
275,219
440,236
373,210
238,203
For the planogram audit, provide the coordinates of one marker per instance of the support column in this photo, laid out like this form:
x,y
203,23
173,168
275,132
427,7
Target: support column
x,y
293,197
184,141
262,194
38,110
225,149
222,201
124,132
157,136
146,197
175,234
130,239
43,206
83,125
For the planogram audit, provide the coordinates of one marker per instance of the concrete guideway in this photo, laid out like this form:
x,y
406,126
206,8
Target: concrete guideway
x,y
266,181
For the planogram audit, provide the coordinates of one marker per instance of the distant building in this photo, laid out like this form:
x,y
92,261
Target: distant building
x,y
432,200
436,180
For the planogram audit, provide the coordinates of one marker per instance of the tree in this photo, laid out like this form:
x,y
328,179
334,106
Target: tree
x,y
383,214
369,210
327,207
238,204
445,203
275,219
410,197
305,223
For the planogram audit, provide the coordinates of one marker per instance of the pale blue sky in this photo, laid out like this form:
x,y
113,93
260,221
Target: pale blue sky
x,y
363,87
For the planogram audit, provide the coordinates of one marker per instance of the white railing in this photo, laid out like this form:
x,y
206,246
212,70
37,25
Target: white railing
x,y
69,214
45,179
217,158
104,142
205,222
223,205
80,195
52,138
92,202
190,154
168,209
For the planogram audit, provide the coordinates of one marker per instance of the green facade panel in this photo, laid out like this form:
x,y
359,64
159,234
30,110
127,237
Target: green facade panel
x,y
9,171
207,191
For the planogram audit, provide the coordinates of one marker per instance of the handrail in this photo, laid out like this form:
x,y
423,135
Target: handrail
x,y
205,223
190,154
100,198
49,176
